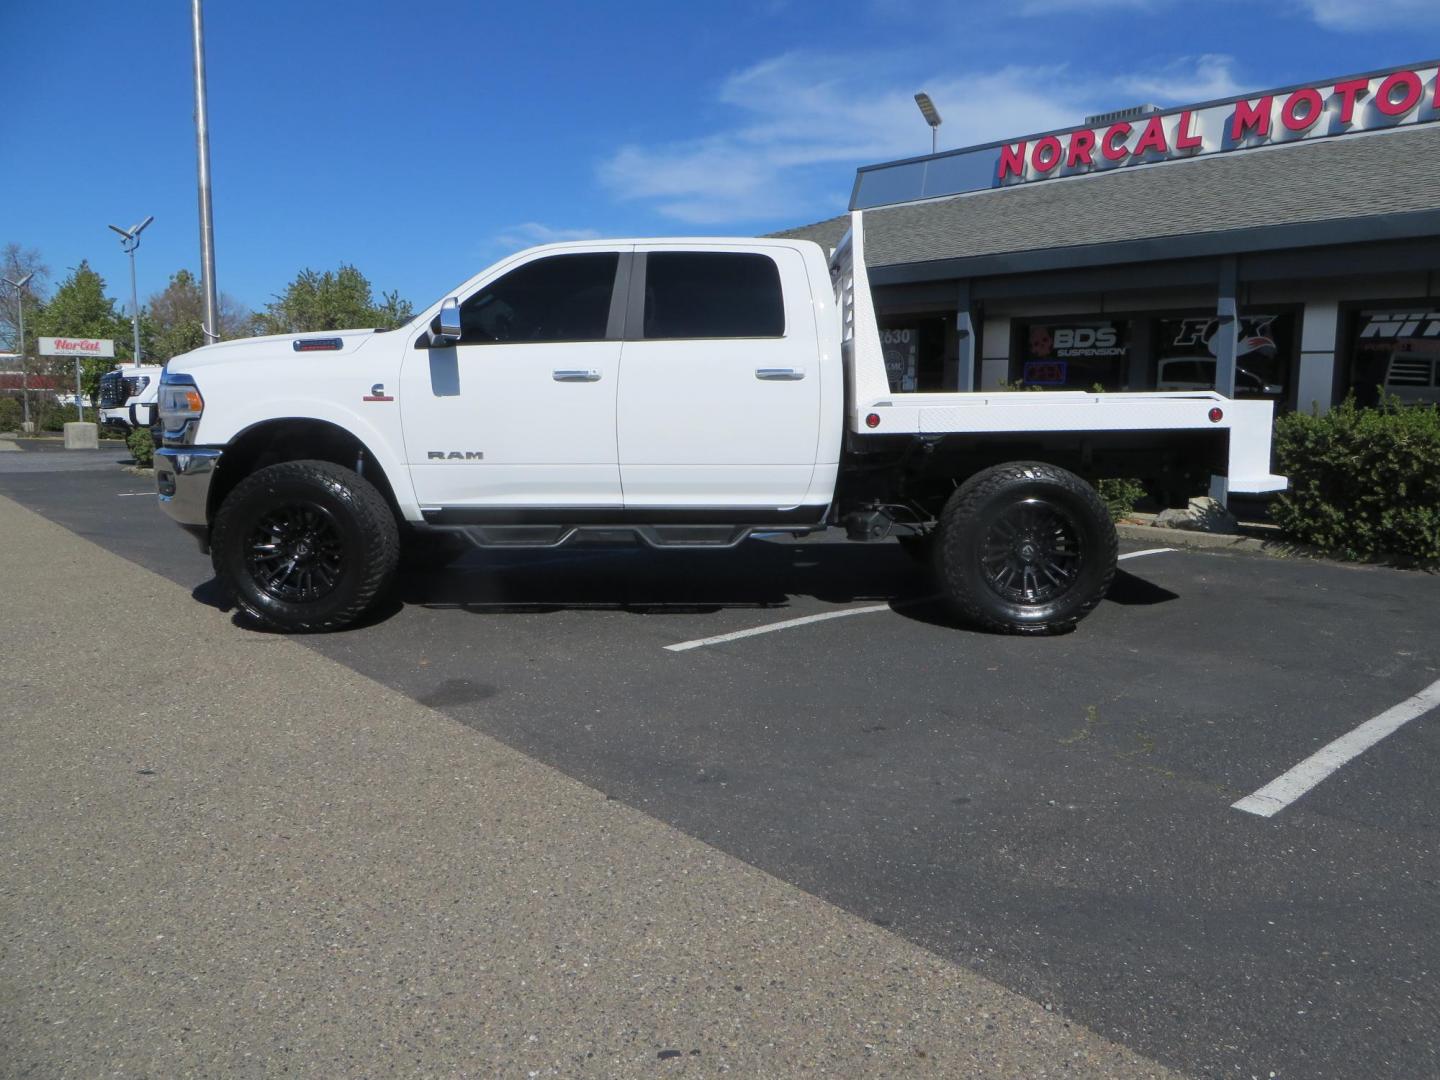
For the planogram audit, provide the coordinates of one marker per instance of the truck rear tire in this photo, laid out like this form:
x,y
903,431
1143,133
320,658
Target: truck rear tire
x,y
305,546
1025,548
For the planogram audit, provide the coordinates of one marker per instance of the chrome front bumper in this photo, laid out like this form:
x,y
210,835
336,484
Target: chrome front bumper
x,y
182,479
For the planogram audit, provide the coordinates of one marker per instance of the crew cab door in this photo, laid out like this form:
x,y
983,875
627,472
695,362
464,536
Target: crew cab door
x,y
719,401
521,411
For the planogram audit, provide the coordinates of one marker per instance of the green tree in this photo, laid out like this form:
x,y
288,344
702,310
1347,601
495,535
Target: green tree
x,y
173,321
81,309
335,300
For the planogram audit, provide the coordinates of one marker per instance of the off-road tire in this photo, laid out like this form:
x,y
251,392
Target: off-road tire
x,y
970,544
361,525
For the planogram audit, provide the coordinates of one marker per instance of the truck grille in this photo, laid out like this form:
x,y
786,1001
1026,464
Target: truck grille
x,y
114,390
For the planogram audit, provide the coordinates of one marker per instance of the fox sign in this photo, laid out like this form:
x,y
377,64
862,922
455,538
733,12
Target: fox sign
x,y
1336,107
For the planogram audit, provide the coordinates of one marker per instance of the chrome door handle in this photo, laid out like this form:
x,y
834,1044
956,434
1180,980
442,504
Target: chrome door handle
x,y
779,374
575,376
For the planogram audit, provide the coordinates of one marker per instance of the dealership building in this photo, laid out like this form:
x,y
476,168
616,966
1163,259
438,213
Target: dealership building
x,y
1284,244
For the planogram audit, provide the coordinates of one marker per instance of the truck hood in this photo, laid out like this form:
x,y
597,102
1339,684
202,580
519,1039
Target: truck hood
x,y
273,347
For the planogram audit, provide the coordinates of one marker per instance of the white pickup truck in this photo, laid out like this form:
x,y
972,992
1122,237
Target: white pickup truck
x,y
127,396
687,393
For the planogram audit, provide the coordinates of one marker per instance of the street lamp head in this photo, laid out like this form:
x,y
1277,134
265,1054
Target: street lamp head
x,y
121,231
136,230
17,285
927,109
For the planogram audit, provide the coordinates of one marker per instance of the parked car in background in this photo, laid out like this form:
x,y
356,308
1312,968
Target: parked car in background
x,y
1198,373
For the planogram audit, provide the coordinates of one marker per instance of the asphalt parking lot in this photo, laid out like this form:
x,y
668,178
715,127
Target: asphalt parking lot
x,y
1055,813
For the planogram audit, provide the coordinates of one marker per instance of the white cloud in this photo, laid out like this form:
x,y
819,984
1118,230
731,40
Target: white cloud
x,y
1191,78
1353,15
803,121
533,233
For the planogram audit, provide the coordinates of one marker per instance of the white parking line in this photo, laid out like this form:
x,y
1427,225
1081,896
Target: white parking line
x,y
769,628
1147,551
127,494
1285,789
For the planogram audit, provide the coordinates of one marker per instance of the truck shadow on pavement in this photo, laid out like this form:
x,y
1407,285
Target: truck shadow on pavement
x,y
757,574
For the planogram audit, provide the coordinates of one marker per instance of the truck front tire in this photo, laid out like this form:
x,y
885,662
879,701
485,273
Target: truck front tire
x,y
305,545
1025,548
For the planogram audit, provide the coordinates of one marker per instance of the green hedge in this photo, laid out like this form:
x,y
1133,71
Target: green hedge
x,y
1120,496
12,414
1363,482
142,447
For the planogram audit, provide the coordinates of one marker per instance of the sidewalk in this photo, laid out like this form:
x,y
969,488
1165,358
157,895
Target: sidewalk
x,y
226,855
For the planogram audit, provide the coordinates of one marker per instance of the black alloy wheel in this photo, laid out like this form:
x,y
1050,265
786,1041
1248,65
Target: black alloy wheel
x,y
296,553
1025,548
305,545
1032,552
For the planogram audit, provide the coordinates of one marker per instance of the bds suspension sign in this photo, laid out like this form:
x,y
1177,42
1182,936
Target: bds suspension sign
x,y
1391,98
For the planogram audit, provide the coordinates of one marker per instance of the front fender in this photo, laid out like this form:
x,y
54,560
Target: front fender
x,y
379,432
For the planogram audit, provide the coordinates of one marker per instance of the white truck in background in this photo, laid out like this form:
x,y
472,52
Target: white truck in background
x,y
685,392
128,395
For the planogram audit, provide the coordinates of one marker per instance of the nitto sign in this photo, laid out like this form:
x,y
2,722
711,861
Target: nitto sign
x,y
64,346
1334,107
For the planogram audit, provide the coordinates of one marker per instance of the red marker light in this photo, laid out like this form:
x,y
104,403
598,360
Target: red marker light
x,y
1216,415
873,420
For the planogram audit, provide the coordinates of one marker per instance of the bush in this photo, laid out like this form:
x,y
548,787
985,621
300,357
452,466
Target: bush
x,y
1363,482
142,447
1120,496
54,416
11,414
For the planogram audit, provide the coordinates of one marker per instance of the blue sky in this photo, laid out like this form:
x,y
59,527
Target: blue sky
x,y
421,141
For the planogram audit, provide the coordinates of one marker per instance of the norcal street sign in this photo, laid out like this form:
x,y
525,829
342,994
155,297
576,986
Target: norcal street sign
x,y
65,346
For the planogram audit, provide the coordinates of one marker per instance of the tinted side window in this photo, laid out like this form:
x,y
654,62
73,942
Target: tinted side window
x,y
560,298
712,294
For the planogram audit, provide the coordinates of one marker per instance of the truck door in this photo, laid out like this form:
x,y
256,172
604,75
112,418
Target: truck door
x,y
719,400
521,412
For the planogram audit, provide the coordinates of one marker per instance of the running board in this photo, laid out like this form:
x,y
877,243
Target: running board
x,y
713,537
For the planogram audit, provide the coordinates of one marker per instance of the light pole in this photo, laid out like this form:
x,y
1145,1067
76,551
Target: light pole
x,y
18,286
932,117
202,154
129,241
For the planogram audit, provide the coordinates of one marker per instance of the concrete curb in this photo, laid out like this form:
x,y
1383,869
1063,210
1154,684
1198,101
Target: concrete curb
x,y
1253,545
1183,538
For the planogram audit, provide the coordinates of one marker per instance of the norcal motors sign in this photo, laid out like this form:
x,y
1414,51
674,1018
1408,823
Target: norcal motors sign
x,y
1384,99
1333,107
66,346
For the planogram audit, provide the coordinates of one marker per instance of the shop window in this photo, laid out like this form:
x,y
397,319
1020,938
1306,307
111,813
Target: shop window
x,y
1185,351
916,349
1074,354
1396,350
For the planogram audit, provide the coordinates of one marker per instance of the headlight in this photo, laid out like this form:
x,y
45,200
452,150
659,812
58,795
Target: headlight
x,y
180,405
135,385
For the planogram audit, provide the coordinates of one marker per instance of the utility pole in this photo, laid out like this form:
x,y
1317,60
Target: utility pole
x,y
19,287
202,150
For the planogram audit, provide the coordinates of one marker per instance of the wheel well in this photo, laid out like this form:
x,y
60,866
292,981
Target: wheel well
x,y
295,439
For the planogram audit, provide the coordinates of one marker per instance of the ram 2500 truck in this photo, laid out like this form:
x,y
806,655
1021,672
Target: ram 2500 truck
x,y
686,392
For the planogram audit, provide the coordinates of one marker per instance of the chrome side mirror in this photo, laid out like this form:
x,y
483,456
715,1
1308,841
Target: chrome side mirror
x,y
449,332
